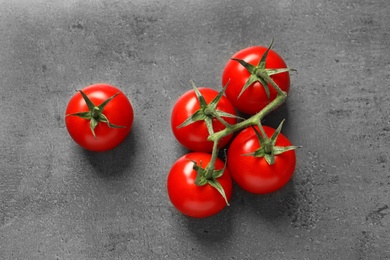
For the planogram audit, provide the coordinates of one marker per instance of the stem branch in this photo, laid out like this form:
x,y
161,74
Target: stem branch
x,y
253,120
214,155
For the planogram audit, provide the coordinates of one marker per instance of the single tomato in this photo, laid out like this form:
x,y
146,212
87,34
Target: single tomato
x,y
254,97
255,174
191,199
194,135
99,117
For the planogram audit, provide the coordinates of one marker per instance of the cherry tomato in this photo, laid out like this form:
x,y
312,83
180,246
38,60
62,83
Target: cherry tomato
x,y
191,199
254,174
104,135
194,136
255,97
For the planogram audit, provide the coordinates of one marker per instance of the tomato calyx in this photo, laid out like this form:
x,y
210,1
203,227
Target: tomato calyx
x,y
261,74
268,148
207,112
209,176
95,113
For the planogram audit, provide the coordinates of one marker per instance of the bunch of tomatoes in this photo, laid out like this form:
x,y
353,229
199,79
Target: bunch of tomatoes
x,y
258,158
261,160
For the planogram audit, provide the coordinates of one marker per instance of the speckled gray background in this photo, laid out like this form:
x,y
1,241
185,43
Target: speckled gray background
x,y
61,202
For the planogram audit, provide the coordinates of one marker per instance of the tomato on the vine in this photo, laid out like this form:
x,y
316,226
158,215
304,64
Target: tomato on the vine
x,y
248,78
194,135
194,200
99,117
254,174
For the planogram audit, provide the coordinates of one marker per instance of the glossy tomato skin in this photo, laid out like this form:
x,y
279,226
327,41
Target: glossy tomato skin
x,y
190,199
119,111
254,174
194,136
254,98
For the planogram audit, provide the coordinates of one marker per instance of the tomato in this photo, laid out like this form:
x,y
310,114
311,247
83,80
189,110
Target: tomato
x,y
254,174
191,199
254,98
194,136
110,126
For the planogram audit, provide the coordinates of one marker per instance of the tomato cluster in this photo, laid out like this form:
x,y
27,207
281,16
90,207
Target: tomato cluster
x,y
259,158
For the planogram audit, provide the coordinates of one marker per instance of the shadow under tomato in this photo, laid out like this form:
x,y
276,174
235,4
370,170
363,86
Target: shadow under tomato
x,y
211,231
278,207
114,162
274,118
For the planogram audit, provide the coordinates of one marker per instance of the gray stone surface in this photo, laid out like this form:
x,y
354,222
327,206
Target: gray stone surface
x,y
58,201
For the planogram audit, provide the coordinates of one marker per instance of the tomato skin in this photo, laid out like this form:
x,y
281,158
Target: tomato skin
x,y
194,136
254,98
190,199
119,111
254,174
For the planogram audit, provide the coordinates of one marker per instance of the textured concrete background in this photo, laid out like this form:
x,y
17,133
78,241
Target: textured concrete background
x,y
61,202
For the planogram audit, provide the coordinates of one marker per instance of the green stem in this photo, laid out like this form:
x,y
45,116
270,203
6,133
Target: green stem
x,y
220,119
95,112
253,120
214,155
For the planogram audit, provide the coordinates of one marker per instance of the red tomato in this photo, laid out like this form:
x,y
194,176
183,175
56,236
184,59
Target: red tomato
x,y
254,174
190,199
194,136
118,111
254,98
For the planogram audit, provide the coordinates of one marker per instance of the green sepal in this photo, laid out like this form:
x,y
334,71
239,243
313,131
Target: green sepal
x,y
95,113
225,114
201,180
268,148
207,112
260,74
200,174
282,149
85,115
93,123
87,100
213,104
102,105
264,57
271,72
201,99
103,118
209,176
197,116
216,185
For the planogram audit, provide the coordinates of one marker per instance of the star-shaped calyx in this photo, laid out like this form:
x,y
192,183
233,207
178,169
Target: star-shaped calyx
x,y
268,148
95,113
207,112
261,74
210,176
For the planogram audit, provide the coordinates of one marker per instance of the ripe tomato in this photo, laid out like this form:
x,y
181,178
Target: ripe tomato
x,y
191,199
118,111
255,97
254,174
194,136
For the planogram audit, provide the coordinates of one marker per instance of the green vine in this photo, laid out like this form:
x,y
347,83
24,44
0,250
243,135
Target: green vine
x,y
207,112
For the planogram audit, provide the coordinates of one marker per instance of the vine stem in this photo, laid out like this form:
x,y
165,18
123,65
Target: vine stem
x,y
214,155
253,120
